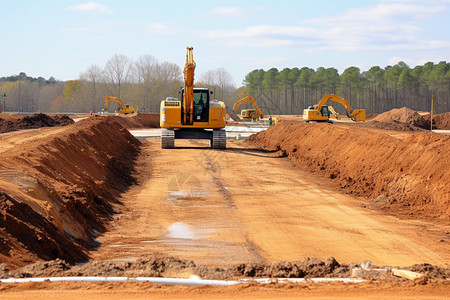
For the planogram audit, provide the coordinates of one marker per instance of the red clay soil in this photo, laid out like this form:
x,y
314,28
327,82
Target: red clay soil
x,y
440,121
57,189
17,122
165,266
138,120
404,119
404,173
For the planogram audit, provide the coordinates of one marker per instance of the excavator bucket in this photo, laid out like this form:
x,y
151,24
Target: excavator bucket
x,y
358,115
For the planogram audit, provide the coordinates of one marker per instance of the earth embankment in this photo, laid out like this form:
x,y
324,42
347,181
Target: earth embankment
x,y
10,123
138,120
57,187
404,173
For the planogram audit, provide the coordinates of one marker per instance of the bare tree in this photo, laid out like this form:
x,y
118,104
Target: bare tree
x,y
117,72
220,81
91,80
144,73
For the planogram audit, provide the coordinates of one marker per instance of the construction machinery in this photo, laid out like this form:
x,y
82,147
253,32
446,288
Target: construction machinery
x,y
124,109
195,116
334,113
248,114
321,112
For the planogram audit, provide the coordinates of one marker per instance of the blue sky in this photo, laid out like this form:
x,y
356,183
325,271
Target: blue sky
x,y
63,38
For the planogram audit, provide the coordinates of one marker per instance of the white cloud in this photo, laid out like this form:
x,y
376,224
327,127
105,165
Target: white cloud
x,y
163,28
226,12
382,27
75,29
90,7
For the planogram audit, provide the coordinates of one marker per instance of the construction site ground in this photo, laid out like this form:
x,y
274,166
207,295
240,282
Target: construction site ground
x,y
91,192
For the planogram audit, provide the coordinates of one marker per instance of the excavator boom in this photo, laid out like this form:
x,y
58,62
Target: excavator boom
x,y
189,69
125,108
321,112
248,113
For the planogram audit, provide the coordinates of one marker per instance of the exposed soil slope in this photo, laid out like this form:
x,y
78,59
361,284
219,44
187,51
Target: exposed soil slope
x,y
17,122
405,119
56,188
440,121
400,119
405,173
138,120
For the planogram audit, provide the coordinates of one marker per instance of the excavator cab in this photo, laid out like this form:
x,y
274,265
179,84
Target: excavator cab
x,y
325,111
201,105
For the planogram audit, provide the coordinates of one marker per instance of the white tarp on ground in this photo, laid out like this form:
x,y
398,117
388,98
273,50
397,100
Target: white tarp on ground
x,y
179,281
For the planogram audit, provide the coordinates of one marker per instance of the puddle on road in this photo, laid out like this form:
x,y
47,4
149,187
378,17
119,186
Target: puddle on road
x,y
180,231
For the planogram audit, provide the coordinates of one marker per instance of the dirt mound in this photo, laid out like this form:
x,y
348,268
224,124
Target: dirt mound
x,y
138,120
440,121
405,174
371,116
400,119
165,266
17,122
56,191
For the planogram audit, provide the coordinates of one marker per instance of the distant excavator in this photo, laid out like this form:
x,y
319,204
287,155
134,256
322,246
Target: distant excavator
x,y
248,114
321,112
126,109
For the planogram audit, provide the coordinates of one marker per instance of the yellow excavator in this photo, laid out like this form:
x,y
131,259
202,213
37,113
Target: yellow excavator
x,y
321,112
195,116
248,114
334,113
126,109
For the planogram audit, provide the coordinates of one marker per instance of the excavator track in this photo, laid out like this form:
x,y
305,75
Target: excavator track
x,y
167,138
219,140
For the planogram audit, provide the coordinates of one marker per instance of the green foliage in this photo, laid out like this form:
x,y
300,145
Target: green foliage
x,y
71,88
376,90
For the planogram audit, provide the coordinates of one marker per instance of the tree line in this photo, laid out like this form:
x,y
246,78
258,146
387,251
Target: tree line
x,y
378,89
144,82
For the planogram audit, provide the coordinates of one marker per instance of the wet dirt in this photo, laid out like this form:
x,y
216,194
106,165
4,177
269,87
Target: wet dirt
x,y
440,121
10,123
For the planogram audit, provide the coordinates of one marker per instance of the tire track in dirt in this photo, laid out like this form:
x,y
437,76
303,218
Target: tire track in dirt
x,y
184,209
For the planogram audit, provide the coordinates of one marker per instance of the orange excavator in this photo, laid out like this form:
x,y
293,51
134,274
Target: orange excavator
x,y
195,116
321,112
126,109
248,114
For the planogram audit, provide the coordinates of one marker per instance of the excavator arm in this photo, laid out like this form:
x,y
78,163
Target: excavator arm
x,y
188,97
355,115
247,99
113,99
125,108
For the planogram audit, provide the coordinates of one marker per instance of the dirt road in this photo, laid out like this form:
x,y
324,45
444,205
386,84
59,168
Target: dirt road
x,y
244,205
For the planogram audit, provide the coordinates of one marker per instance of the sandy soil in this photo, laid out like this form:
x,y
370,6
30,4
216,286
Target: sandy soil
x,y
244,205
239,212
46,291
